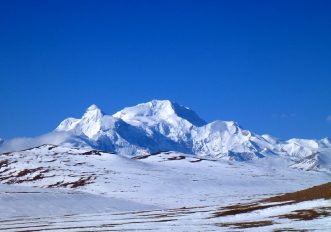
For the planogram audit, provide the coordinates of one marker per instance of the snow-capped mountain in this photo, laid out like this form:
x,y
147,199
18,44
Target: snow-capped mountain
x,y
151,157
162,125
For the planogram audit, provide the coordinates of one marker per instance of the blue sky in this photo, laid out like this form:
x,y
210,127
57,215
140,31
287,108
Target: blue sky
x,y
264,64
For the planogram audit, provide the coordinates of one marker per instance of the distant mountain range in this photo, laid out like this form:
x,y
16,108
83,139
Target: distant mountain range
x,y
162,125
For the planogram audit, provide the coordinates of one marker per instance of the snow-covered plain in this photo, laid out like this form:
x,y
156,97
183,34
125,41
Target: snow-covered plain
x,y
160,165
168,179
64,188
22,201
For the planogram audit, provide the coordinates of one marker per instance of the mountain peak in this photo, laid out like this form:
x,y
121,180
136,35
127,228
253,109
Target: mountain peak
x,y
326,141
160,109
93,111
92,107
164,103
89,124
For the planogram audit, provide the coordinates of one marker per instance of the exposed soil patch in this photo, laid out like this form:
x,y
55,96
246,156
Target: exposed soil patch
x,y
28,171
51,147
38,177
4,163
180,157
79,164
22,176
289,229
141,157
159,152
195,161
3,171
317,192
6,153
92,152
244,225
137,222
73,184
243,208
308,214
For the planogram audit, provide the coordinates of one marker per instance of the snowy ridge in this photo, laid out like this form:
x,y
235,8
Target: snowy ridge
x,y
161,125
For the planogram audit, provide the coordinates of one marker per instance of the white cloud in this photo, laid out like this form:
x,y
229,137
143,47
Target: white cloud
x,y
17,144
328,118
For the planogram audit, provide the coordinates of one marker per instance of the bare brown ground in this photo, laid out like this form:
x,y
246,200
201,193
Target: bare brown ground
x,y
180,157
289,230
308,214
244,225
74,184
317,192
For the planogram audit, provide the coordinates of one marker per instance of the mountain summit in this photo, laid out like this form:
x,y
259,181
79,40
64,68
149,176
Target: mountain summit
x,y
162,125
156,110
88,125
